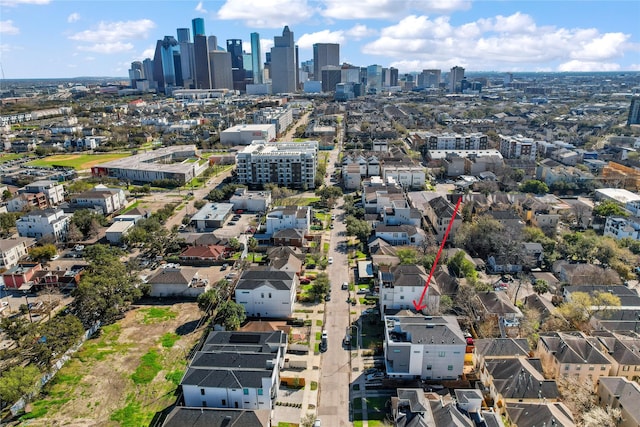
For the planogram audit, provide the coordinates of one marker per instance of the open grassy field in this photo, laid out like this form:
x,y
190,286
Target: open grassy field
x,y
123,376
7,157
77,161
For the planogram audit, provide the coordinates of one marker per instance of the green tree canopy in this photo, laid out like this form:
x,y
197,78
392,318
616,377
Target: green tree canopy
x,y
359,228
17,381
208,300
43,253
534,186
321,286
609,208
231,315
583,306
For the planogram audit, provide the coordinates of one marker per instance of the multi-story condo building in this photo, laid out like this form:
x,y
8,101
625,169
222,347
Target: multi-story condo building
x,y
425,347
53,190
108,200
282,218
456,141
44,223
518,147
27,201
285,163
281,117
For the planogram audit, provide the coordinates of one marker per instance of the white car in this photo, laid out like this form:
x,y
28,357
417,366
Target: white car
x,y
330,260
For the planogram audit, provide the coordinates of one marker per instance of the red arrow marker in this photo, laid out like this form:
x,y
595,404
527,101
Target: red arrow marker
x,y
419,305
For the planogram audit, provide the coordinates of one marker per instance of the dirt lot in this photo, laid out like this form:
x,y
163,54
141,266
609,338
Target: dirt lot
x,y
126,374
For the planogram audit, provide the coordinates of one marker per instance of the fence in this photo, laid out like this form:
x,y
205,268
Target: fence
x,y
20,404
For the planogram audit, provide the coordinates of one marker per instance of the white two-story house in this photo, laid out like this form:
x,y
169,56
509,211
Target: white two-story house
x,y
43,223
267,292
400,285
281,218
108,200
238,370
11,250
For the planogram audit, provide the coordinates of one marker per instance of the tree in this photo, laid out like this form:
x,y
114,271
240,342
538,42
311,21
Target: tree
x,y
6,195
534,186
88,221
407,256
230,315
541,286
43,253
321,286
8,221
308,420
56,336
609,208
234,244
359,228
208,301
17,381
583,306
461,266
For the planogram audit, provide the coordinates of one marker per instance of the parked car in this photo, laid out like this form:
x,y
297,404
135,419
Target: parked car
x,y
362,291
345,286
327,297
304,281
375,376
224,267
330,260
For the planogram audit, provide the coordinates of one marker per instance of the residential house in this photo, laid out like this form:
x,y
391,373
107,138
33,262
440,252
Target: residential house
x,y
172,281
572,354
351,177
400,285
237,370
621,393
296,217
503,264
49,223
498,306
499,348
620,227
533,254
66,278
538,414
399,213
629,299
516,379
181,416
289,237
267,292
412,407
205,254
400,235
286,258
623,351
407,176
508,218
11,250
100,198
377,194
438,211
54,191
27,201
426,347
619,320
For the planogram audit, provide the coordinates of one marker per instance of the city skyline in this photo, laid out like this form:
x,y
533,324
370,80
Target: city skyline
x,y
48,39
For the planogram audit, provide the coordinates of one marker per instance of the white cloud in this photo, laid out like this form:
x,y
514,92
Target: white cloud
x,y
149,52
360,31
74,17
265,45
575,65
507,42
388,9
107,48
200,8
5,48
12,3
266,13
306,41
7,28
111,32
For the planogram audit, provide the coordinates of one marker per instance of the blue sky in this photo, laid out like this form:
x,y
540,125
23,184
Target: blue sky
x,y
64,38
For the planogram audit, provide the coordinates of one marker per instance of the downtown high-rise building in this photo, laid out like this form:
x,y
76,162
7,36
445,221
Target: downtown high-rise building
x,y
634,111
197,25
234,47
220,66
284,65
374,79
324,54
187,57
201,59
167,71
393,76
256,59
455,78
429,78
184,35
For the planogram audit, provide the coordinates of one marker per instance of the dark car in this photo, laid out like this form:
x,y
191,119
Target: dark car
x,y
327,297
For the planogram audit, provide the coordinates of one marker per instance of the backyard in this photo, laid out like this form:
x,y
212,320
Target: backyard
x,y
126,374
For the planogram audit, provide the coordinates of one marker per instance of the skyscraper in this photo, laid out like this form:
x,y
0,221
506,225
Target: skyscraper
x,y
324,54
201,57
393,75
283,63
183,35
634,111
197,25
166,63
256,58
374,78
234,47
220,65
455,77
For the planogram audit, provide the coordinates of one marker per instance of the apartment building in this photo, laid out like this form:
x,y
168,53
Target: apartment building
x,y
518,147
53,191
11,250
44,223
285,163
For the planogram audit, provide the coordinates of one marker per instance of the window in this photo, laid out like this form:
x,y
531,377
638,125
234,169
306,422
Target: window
x,y
401,296
245,391
202,391
269,294
262,295
224,402
260,392
591,368
566,367
395,350
603,368
442,353
625,368
450,368
428,367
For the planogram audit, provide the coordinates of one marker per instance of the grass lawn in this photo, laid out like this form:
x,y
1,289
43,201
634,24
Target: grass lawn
x,y
325,247
322,216
7,157
77,161
371,332
131,207
156,314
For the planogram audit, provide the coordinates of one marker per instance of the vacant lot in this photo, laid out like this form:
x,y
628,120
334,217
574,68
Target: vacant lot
x,y
77,161
126,374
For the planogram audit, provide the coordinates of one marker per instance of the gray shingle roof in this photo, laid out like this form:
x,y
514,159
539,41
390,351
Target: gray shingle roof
x,y
257,277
